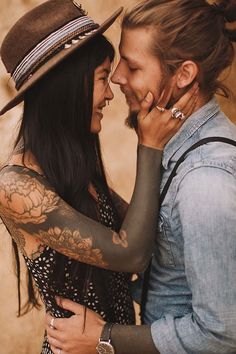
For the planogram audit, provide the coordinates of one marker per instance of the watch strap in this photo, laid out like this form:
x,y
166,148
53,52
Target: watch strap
x,y
106,332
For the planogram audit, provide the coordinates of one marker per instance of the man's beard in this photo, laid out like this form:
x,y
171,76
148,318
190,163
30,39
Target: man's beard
x,y
132,120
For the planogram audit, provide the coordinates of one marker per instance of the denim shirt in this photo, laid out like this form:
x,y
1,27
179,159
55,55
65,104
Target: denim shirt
x,y
192,292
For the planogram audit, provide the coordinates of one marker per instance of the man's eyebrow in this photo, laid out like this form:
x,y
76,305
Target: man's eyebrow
x,y
129,60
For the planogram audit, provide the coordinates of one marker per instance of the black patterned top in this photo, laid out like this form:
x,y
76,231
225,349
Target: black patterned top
x,y
101,290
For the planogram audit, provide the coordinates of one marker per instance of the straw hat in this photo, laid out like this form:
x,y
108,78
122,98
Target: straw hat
x,y
42,38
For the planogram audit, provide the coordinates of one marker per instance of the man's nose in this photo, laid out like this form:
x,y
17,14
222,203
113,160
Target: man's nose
x,y
118,77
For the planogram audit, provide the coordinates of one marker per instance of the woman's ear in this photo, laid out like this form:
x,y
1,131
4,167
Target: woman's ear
x,y
186,74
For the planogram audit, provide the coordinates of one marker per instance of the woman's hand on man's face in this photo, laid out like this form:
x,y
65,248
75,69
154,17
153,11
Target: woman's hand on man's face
x,y
158,126
78,334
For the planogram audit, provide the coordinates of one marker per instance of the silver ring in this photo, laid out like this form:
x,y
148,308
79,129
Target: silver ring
x,y
177,114
160,109
52,323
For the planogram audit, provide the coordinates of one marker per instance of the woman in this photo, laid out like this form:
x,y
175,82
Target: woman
x,y
54,196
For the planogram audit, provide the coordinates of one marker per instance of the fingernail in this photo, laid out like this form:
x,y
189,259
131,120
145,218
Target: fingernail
x,y
196,85
148,98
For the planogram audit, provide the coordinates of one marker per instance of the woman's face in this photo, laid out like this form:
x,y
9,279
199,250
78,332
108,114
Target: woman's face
x,y
101,93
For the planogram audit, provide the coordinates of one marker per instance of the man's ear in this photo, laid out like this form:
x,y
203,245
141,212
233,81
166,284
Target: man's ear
x,y
186,74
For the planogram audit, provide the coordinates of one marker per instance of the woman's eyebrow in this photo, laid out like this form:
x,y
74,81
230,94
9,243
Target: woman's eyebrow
x,y
104,70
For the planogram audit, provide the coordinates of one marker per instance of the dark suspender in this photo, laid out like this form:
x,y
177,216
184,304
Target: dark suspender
x,y
162,197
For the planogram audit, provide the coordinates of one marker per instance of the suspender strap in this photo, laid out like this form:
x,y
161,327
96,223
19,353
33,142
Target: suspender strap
x,y
162,197
182,157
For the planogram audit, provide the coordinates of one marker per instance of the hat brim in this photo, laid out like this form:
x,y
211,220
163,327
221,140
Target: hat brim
x,y
56,59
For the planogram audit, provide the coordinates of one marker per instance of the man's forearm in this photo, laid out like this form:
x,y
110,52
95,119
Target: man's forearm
x,y
133,340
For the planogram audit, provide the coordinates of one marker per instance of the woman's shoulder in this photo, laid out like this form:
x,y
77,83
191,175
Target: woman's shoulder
x,y
14,180
18,177
24,194
10,173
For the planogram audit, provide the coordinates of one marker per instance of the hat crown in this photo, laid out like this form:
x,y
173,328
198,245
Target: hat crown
x,y
34,26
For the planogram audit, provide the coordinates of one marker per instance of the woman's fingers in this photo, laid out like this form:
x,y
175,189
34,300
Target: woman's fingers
x,y
145,106
185,106
187,101
160,125
189,107
166,95
188,110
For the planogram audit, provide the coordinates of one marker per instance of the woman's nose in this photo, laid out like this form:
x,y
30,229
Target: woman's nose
x,y
109,93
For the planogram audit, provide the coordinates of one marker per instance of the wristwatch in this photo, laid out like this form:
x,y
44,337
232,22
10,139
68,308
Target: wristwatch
x,y
104,346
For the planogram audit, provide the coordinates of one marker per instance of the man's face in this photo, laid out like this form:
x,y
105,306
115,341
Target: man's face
x,y
138,70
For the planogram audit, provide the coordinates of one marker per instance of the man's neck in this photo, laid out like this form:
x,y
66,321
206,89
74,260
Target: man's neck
x,y
202,100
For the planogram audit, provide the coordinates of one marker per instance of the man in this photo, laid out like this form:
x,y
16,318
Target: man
x,y
191,300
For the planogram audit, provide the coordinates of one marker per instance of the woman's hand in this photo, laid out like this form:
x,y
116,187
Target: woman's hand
x,y
78,334
157,127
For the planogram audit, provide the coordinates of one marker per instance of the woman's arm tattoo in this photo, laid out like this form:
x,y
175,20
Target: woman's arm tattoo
x,y
32,209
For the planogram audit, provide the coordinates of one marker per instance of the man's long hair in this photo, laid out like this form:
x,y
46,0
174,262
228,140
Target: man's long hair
x,y
189,30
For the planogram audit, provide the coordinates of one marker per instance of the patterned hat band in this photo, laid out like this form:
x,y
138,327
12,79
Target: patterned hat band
x,y
63,38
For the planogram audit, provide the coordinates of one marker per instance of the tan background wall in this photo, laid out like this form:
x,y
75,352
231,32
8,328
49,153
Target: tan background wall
x,y
23,336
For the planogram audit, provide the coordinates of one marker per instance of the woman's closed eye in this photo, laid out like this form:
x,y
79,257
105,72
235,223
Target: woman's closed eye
x,y
105,78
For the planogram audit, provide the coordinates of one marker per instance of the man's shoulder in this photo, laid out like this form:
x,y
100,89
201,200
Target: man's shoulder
x,y
221,153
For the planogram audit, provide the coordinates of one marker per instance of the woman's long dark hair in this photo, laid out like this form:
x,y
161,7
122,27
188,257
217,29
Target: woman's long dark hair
x,y
56,129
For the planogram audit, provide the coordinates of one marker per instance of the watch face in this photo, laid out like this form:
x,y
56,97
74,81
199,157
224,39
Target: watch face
x,y
105,348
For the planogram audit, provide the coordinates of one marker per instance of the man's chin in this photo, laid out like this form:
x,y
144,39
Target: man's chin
x,y
132,121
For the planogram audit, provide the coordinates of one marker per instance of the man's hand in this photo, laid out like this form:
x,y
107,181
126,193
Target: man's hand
x,y
77,334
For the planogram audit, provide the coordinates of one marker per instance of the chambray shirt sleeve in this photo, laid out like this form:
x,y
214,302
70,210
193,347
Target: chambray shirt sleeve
x,y
206,205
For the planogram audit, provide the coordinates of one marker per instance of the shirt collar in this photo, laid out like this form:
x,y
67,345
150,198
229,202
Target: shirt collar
x,y
192,124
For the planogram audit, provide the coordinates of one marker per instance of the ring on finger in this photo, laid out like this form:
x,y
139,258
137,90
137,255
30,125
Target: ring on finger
x,y
160,109
52,323
176,113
